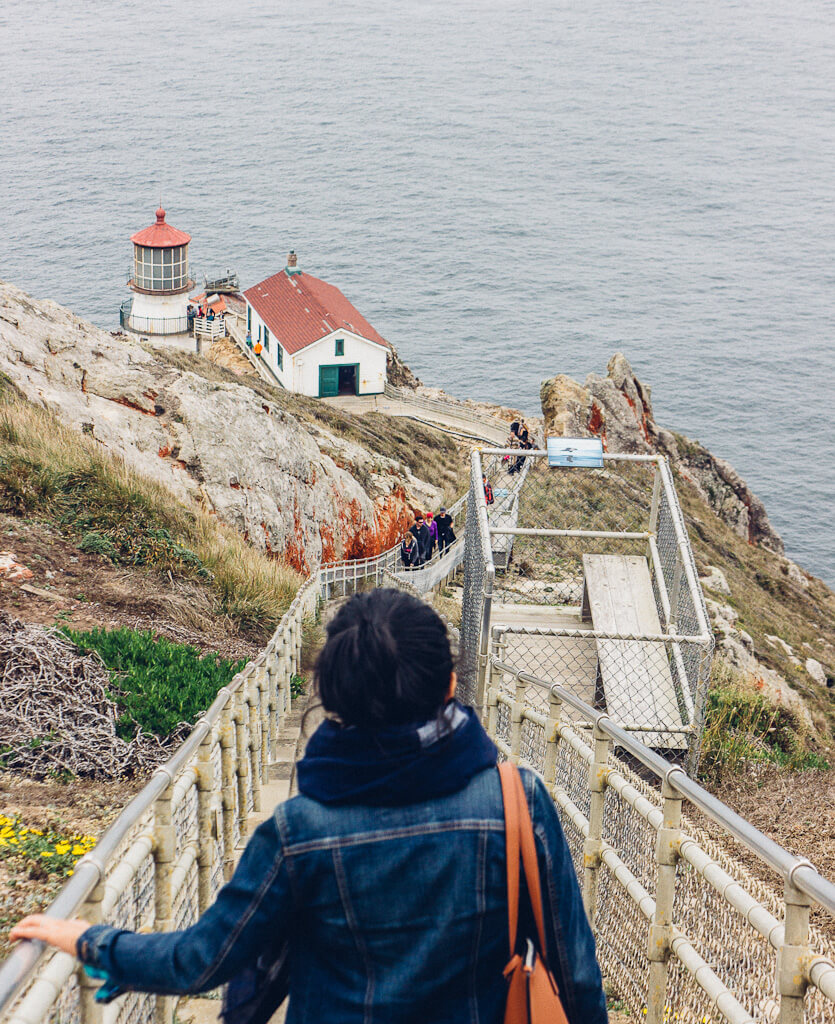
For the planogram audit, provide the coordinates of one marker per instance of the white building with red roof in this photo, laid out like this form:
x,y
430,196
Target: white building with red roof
x,y
311,337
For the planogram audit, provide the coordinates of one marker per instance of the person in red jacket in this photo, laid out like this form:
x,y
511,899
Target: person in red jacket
x,y
488,490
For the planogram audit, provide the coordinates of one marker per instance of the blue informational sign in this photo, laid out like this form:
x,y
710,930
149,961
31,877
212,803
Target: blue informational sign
x,y
582,452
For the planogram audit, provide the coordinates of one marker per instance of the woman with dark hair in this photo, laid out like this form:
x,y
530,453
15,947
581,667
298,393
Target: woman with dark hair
x,y
382,886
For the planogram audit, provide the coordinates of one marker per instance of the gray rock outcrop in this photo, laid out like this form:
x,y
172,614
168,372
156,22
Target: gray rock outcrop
x,y
222,444
618,409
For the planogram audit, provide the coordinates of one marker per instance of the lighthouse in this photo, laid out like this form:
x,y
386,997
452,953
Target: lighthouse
x,y
159,281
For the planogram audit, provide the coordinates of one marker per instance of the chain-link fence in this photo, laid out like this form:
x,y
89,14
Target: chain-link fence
x,y
684,932
595,587
162,862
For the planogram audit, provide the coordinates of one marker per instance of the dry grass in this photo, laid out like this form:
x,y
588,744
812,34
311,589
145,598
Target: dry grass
x,y
95,497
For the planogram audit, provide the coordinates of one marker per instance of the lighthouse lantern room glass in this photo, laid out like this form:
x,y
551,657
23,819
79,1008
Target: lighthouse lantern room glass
x,y
160,270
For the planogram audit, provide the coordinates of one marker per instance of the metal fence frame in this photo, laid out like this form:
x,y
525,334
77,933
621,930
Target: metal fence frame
x,y
686,638
152,325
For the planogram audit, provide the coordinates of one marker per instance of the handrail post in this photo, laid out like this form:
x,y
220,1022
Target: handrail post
x,y
254,746
91,1012
552,738
654,506
493,707
516,721
272,704
228,783
241,759
264,717
205,839
299,639
484,645
660,931
165,844
794,956
598,775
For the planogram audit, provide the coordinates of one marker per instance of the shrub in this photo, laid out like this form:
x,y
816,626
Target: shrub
x,y
743,725
94,544
156,683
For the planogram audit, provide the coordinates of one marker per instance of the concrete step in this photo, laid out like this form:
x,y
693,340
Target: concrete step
x,y
289,734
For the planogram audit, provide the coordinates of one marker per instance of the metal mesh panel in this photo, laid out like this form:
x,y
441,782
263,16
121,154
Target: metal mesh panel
x,y
631,837
185,821
533,744
475,563
135,906
67,1007
572,776
185,902
136,1008
539,570
621,933
589,599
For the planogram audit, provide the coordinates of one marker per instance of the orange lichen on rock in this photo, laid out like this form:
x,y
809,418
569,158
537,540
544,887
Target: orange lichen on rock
x,y
597,424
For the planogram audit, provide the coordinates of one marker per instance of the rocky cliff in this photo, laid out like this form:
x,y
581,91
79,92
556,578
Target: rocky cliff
x,y
285,485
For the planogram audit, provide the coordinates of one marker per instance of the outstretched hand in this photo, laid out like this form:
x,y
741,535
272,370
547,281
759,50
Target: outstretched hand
x,y
54,931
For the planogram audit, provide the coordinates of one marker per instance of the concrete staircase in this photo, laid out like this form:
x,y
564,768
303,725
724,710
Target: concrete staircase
x,y
281,785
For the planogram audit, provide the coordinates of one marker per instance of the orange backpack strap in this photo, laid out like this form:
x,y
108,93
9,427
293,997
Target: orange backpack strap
x,y
508,774
529,861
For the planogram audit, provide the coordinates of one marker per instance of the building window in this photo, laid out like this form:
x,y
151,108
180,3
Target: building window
x,y
279,355
340,347
249,319
266,339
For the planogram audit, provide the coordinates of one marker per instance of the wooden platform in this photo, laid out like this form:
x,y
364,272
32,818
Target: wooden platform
x,y
635,675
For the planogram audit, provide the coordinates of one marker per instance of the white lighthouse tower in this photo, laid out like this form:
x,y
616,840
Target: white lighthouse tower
x,y
159,281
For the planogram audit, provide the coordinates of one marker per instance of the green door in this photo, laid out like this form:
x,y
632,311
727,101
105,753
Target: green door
x,y
328,381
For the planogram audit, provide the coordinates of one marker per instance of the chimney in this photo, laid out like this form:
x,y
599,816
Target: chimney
x,y
292,264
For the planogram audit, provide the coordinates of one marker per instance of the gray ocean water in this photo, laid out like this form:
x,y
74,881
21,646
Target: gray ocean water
x,y
506,190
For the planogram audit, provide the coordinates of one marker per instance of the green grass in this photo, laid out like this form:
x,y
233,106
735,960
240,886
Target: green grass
x,y
157,684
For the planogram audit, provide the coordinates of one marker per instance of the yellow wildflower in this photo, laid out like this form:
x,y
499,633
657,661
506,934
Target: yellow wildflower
x,y
62,848
77,850
47,853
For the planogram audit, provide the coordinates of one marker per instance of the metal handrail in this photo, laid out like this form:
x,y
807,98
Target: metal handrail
x,y
797,870
450,408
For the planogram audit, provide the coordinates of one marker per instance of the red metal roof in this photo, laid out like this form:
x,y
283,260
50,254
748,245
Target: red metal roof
x,y
160,235
300,309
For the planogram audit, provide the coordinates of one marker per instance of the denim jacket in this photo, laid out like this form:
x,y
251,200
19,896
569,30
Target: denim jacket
x,y
392,914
